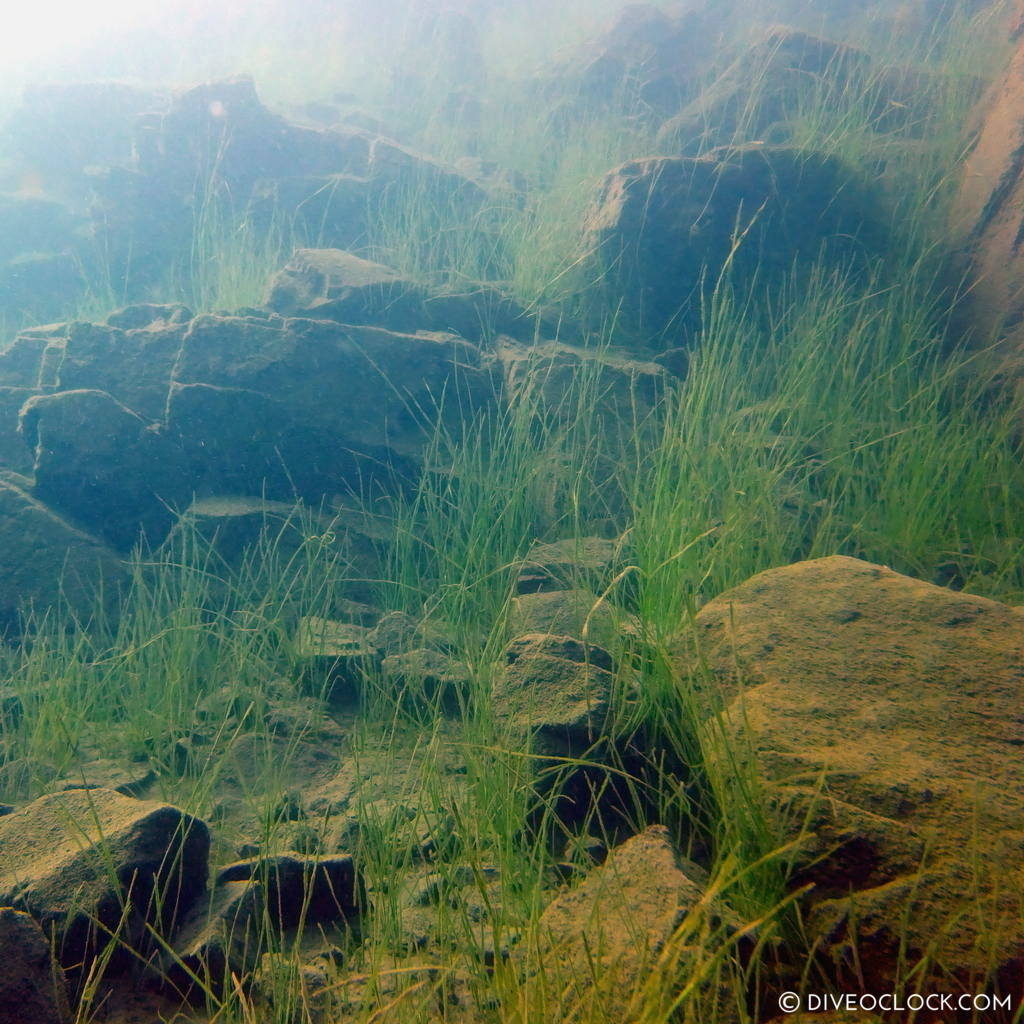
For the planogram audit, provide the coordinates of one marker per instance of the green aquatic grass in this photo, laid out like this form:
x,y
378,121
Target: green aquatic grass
x,y
830,416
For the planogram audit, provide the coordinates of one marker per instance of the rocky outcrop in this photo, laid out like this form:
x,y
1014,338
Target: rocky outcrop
x,y
885,716
662,230
219,138
89,863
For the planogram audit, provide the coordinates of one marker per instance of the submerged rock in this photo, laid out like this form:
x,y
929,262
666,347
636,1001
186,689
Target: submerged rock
x,y
783,74
885,715
663,229
46,562
557,690
31,985
988,221
331,284
74,859
599,943
563,564
103,465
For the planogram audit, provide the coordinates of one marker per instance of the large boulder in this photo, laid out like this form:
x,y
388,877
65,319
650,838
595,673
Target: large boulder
x,y
77,860
662,229
886,715
46,562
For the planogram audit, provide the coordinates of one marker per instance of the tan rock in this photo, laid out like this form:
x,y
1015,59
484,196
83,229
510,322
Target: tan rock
x,y
888,715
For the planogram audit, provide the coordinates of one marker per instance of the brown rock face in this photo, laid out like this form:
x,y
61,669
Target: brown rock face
x,y
887,715
988,219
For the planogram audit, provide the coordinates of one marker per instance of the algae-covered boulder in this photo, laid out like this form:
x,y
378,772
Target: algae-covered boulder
x,y
887,715
74,860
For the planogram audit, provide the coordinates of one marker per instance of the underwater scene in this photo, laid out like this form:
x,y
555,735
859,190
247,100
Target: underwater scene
x,y
512,512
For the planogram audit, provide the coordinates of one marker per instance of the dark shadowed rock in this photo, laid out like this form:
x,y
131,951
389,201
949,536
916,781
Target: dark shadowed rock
x,y
334,658
103,466
45,561
662,229
31,985
72,859
252,905
885,714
